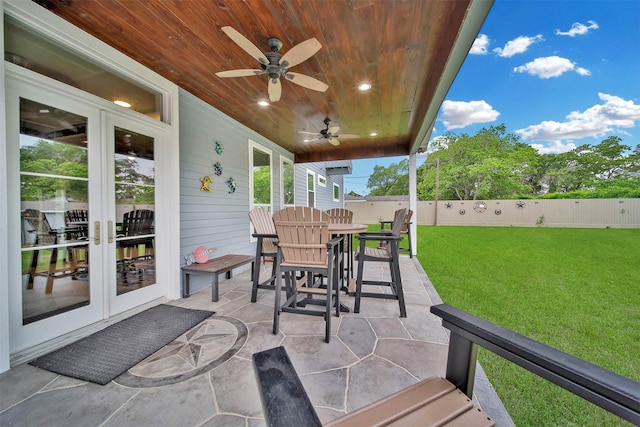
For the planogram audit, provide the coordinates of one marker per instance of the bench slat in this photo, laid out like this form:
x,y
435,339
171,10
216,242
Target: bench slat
x,y
432,402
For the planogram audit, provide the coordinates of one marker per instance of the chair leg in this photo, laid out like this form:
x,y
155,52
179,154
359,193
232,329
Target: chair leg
x,y
278,285
256,274
397,283
409,241
34,267
356,307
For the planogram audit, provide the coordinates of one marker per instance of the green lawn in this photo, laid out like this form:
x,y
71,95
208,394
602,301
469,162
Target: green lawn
x,y
577,290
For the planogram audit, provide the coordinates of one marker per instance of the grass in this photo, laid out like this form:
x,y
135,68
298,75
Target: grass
x,y
577,290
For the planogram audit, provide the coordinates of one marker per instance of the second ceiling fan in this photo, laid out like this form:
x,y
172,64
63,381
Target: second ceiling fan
x,y
276,65
330,134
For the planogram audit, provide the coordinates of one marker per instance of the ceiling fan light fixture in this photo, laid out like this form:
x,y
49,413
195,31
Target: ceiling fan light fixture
x,y
124,104
363,87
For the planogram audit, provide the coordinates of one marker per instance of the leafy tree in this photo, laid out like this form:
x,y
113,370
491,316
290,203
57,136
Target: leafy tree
x,y
489,165
390,181
494,164
262,185
62,162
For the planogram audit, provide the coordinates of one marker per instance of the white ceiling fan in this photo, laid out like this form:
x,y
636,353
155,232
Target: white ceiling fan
x,y
330,134
276,65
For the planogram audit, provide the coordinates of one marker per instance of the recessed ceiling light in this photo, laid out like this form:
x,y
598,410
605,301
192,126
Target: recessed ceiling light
x,y
43,111
364,86
373,134
263,103
122,103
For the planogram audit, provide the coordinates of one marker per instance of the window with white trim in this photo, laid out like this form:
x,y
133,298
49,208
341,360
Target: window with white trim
x,y
287,182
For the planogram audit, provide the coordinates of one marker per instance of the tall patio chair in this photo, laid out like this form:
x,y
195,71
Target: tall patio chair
x,y
77,222
388,254
340,216
265,232
305,245
46,236
406,230
138,222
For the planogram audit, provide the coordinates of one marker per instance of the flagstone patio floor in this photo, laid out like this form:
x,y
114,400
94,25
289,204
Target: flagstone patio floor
x,y
206,377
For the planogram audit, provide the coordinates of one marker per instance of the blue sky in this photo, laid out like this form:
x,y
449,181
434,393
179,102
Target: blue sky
x,y
559,74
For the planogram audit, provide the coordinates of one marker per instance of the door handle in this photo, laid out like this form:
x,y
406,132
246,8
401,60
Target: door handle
x,y
96,232
110,231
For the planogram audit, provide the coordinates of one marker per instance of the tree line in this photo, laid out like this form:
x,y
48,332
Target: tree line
x,y
494,164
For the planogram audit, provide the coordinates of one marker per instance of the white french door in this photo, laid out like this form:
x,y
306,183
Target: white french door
x,y
78,171
131,189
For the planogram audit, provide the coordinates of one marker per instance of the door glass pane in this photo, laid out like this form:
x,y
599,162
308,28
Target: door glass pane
x,y
261,178
53,202
135,210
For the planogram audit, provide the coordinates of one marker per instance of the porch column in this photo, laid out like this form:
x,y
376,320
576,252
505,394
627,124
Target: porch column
x,y
413,203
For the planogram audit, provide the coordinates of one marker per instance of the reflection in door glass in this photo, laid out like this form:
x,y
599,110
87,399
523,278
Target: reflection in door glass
x,y
54,218
135,210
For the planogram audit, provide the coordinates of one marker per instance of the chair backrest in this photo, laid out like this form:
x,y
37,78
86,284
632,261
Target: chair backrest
x,y
263,224
340,216
303,234
399,221
76,215
137,222
407,219
77,221
300,213
39,226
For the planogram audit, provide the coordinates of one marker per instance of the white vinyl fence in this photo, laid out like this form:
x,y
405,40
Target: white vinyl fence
x,y
577,213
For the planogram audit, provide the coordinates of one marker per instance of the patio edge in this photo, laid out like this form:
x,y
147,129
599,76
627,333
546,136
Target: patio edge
x,y
483,392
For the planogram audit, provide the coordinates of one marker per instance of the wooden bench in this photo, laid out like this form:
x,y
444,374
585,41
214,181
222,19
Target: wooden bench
x,y
615,393
215,267
432,402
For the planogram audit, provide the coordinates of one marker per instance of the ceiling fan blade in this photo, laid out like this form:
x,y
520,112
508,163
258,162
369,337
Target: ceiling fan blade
x,y
348,136
275,90
300,53
245,44
333,130
308,133
334,141
306,81
240,73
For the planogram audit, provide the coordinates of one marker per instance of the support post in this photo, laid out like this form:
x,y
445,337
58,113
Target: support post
x,y
461,363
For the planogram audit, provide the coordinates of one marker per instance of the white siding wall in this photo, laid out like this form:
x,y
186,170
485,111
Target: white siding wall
x,y
324,195
218,219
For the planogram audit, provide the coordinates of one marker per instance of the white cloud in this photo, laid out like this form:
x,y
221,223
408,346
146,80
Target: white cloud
x,y
578,29
554,147
480,45
458,114
517,45
583,71
601,119
550,66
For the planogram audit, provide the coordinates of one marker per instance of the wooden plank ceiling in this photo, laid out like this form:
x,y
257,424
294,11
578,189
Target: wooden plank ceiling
x,y
401,47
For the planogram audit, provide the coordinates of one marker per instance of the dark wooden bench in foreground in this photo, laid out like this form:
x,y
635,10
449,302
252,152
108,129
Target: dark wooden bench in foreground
x,y
438,401
215,267
432,402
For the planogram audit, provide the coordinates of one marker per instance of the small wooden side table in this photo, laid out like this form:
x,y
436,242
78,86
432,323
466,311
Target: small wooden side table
x,y
215,267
